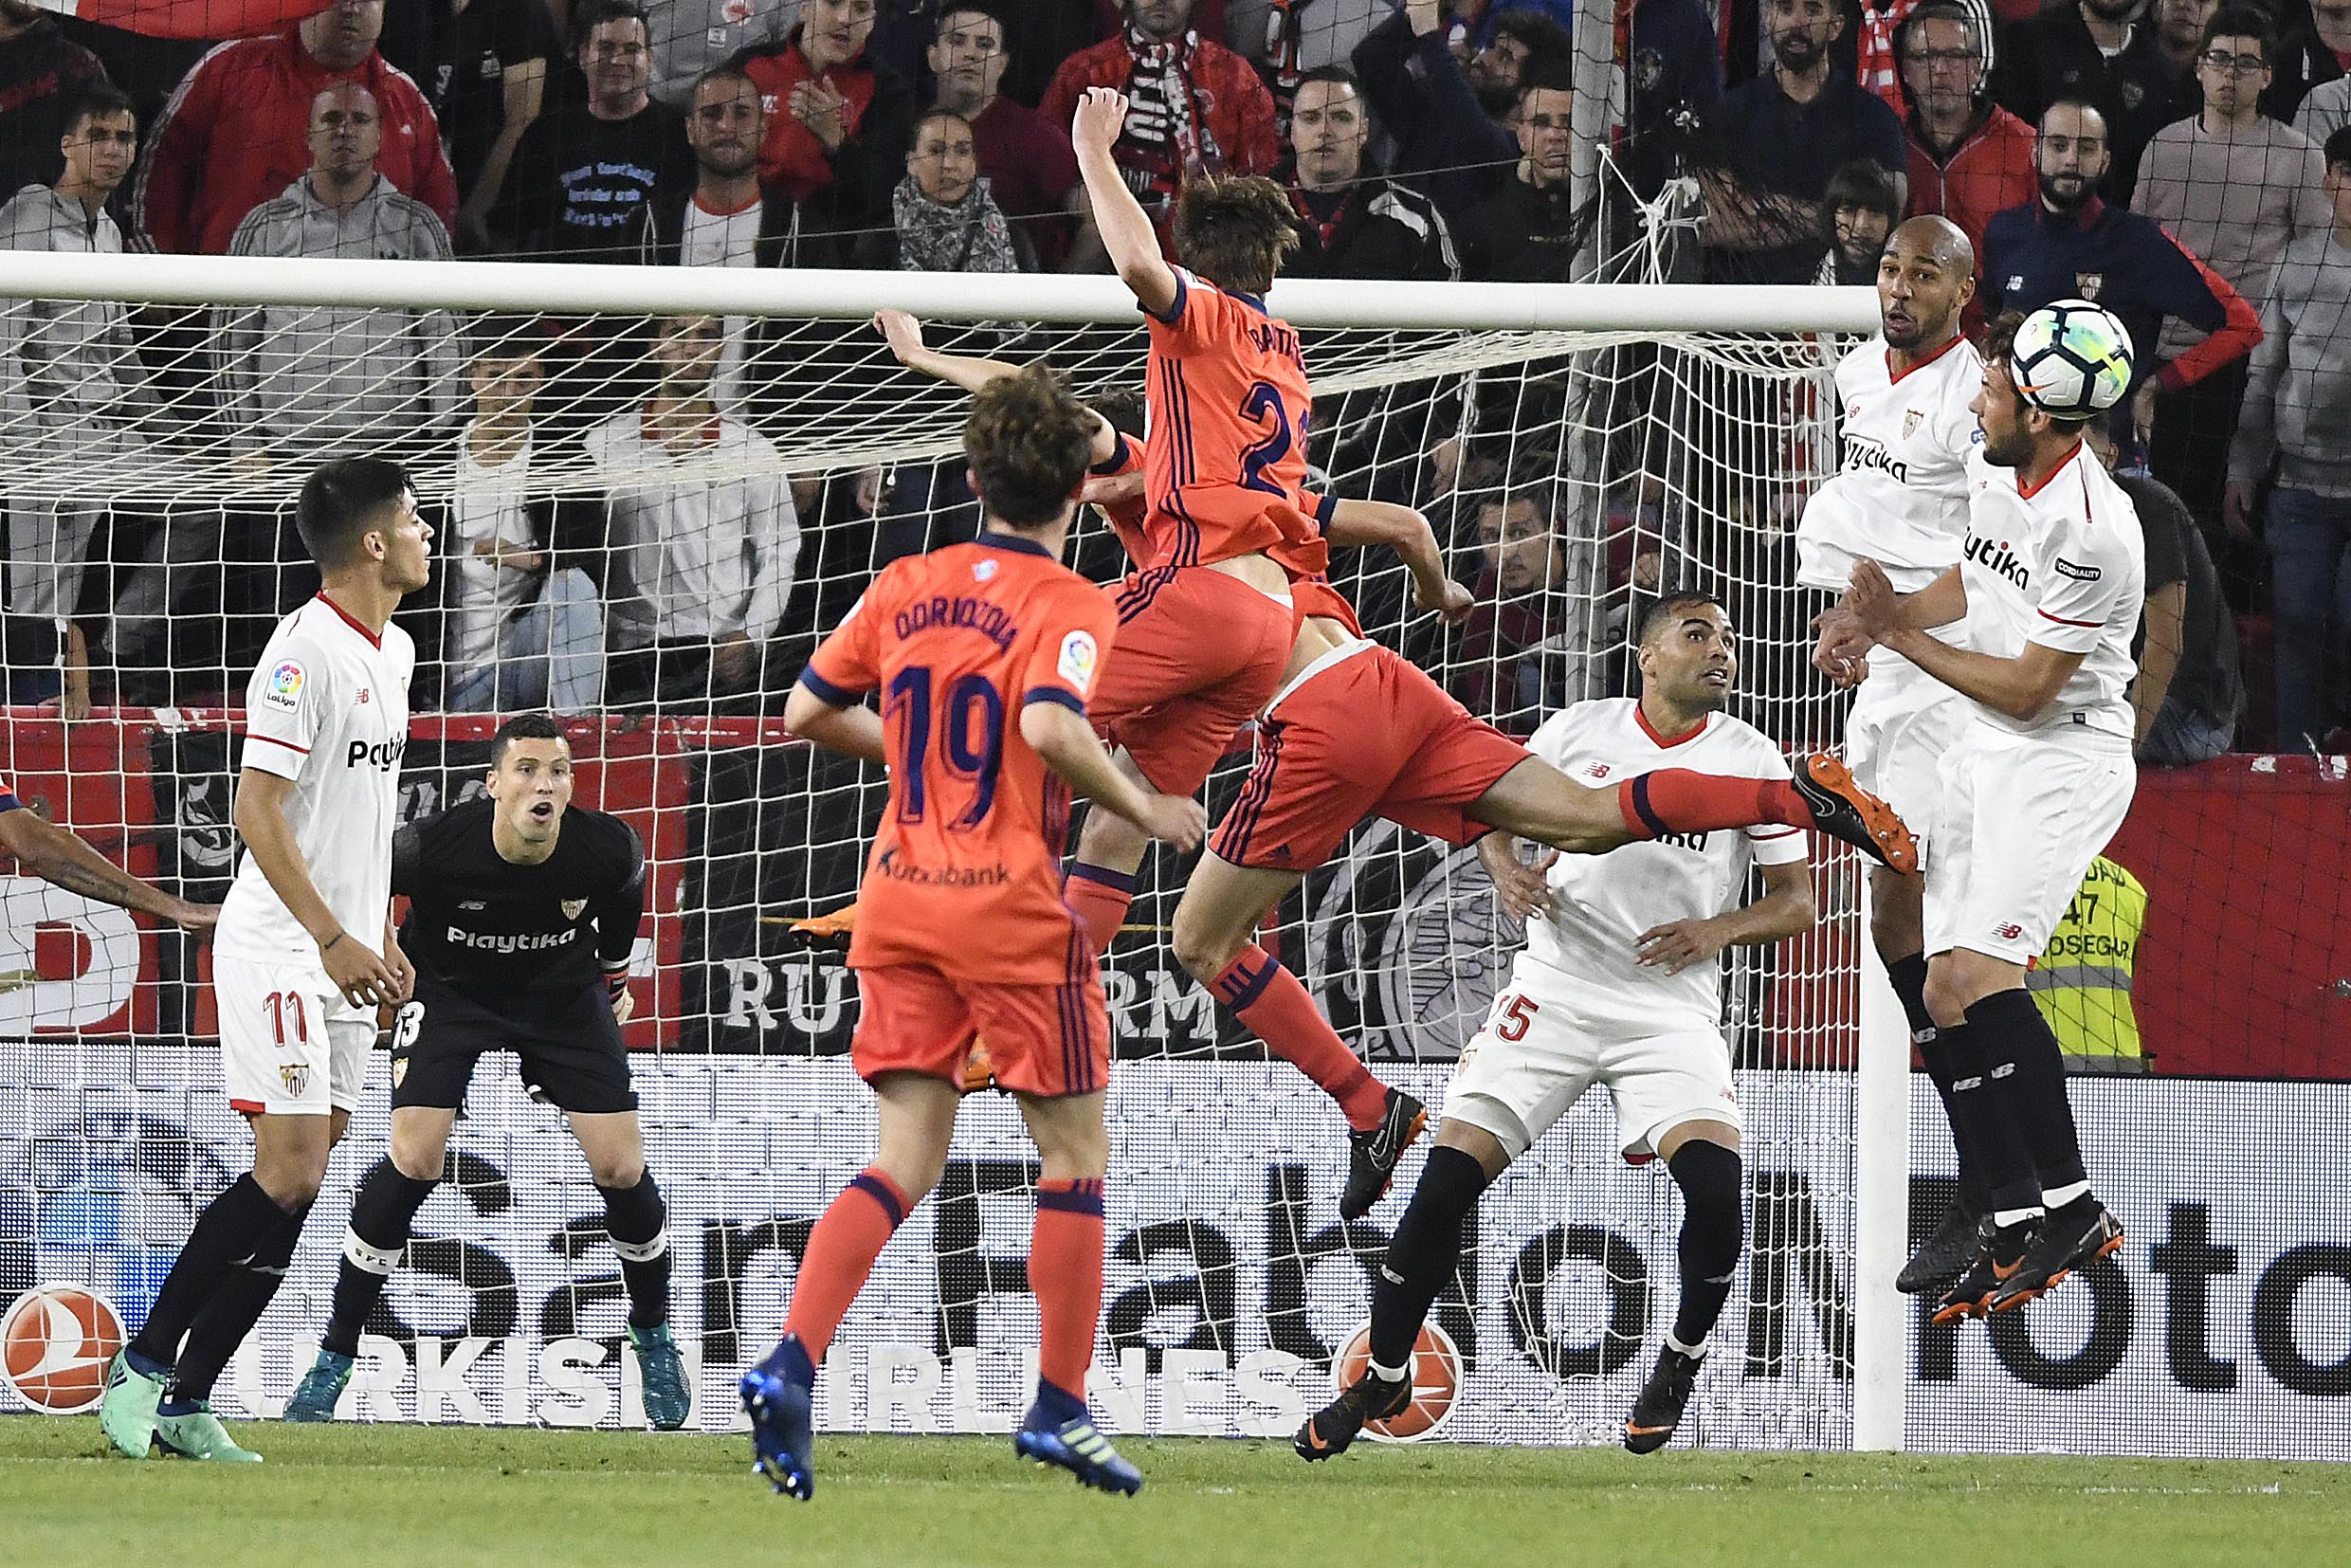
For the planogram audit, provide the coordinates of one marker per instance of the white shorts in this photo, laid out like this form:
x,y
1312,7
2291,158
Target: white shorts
x,y
1903,720
1551,1037
291,1044
2021,818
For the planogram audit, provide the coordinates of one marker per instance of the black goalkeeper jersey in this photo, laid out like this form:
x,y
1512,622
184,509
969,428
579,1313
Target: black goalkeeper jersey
x,y
483,925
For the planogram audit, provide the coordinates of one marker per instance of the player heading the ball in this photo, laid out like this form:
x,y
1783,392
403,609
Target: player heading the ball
x,y
985,654
305,952
523,911
2050,583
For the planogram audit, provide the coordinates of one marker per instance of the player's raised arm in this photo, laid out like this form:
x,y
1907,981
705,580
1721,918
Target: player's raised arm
x,y
1062,737
63,858
1406,532
903,333
1125,227
355,968
2018,687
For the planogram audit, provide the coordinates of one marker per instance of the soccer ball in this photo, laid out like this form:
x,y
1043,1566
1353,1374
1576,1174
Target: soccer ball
x,y
55,1341
2072,360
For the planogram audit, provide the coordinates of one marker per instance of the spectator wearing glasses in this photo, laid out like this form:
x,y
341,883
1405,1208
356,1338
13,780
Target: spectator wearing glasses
x,y
1525,232
2323,103
2236,188
1451,118
1968,158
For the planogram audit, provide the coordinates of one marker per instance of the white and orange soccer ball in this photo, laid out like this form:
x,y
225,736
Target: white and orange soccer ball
x,y
1436,1382
55,1341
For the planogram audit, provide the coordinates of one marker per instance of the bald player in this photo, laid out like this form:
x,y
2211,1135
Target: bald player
x,y
1900,498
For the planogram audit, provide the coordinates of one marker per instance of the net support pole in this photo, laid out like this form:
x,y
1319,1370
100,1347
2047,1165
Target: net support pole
x,y
1881,1203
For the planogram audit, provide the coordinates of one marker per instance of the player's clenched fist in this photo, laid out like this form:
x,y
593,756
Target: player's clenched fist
x,y
1102,115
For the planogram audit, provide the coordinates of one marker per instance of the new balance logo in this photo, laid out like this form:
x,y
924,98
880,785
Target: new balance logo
x,y
2006,1069
1961,1085
1390,1275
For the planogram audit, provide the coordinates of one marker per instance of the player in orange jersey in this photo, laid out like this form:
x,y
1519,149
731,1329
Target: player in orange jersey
x,y
985,655
1206,622
1356,730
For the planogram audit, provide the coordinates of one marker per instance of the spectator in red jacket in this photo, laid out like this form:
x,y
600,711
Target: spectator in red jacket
x,y
235,133
1968,158
1196,107
838,122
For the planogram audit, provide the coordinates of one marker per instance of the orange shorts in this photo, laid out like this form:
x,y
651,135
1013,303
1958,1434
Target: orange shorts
x,y
1197,654
1365,733
1046,1040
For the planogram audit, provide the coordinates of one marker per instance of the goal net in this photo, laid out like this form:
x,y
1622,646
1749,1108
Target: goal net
x,y
713,456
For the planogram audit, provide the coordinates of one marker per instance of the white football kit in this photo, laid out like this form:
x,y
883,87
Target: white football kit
x,y
328,708
2028,804
1579,1009
1900,498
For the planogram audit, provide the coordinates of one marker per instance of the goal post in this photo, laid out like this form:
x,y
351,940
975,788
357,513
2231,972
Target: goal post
x,y
1655,434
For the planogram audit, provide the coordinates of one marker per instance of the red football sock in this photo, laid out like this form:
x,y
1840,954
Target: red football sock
x,y
1269,999
1675,800
1066,1275
1100,898
841,1250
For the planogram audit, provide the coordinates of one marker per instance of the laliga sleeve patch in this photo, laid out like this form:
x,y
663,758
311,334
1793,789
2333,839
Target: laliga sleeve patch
x,y
284,687
2079,574
1078,658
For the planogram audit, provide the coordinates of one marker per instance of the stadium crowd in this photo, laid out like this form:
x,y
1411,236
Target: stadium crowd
x,y
2186,163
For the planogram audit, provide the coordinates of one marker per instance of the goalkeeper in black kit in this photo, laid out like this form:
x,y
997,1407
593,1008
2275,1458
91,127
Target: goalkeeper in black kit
x,y
522,915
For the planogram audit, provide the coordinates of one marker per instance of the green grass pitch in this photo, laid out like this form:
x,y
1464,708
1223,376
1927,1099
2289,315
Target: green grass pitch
x,y
427,1497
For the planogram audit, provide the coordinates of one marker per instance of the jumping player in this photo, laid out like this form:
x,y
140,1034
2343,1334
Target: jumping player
x,y
1619,984
986,654
1356,730
1900,499
2050,582
305,952
1206,624
523,911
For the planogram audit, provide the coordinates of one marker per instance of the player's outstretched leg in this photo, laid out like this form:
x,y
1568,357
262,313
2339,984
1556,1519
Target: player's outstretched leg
x,y
1535,800
1707,1168
1423,1255
1066,1274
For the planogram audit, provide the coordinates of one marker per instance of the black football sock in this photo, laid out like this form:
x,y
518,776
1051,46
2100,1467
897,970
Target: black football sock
x,y
236,1305
1909,979
638,1221
380,1216
228,1229
2028,1073
1714,1216
1424,1253
2011,1187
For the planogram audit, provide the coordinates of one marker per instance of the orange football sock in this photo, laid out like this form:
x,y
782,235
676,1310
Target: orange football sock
x,y
1269,999
1066,1275
1675,800
841,1250
1100,898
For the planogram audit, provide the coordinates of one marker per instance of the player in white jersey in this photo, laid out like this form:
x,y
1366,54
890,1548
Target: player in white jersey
x,y
1900,499
1620,984
2050,582
304,954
